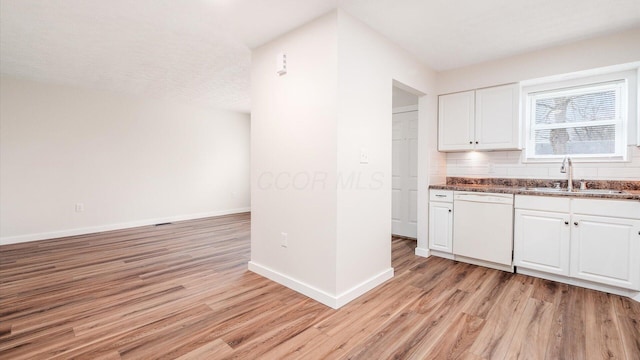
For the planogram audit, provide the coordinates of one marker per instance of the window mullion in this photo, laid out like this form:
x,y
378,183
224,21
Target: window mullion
x,y
575,124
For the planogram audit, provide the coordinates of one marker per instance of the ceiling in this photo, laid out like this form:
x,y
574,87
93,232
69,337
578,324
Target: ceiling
x,y
199,50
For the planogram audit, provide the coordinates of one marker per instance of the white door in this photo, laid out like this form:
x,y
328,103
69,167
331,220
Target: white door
x,y
541,241
606,250
404,214
441,226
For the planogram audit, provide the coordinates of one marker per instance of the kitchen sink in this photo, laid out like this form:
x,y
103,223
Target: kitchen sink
x,y
577,191
599,191
545,189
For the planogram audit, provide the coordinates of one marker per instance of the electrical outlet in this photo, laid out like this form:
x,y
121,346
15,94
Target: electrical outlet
x,y
284,241
79,207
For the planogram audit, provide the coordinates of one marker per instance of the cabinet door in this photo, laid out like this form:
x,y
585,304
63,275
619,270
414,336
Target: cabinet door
x,y
606,250
441,226
497,120
541,241
456,121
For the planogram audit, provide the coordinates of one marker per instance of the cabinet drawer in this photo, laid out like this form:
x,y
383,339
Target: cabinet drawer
x,y
441,195
543,203
611,208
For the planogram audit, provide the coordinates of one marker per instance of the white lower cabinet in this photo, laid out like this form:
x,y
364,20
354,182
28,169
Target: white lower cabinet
x,y
441,229
606,250
541,241
441,221
588,239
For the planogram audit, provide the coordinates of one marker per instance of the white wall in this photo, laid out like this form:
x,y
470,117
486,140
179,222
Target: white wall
x,y
293,159
619,48
583,56
311,124
130,161
368,64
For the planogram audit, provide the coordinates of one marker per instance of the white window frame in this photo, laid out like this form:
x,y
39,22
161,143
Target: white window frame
x,y
619,81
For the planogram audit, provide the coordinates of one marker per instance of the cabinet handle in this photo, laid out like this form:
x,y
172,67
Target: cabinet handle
x,y
566,223
449,210
440,195
575,223
476,142
470,142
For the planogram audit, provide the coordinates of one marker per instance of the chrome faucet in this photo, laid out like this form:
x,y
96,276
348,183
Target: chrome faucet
x,y
566,162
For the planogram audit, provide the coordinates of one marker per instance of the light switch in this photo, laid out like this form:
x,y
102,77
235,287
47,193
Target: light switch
x,y
281,64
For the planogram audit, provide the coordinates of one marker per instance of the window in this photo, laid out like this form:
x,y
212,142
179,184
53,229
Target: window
x,y
587,121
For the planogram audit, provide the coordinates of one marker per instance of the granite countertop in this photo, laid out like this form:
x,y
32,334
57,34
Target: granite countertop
x,y
630,189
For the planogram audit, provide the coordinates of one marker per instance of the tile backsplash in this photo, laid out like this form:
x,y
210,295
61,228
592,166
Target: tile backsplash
x,y
508,164
437,167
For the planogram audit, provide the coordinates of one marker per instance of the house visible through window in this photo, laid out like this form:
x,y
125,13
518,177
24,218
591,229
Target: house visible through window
x,y
588,121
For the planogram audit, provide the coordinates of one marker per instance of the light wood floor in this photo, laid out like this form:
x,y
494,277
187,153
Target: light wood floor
x,y
183,291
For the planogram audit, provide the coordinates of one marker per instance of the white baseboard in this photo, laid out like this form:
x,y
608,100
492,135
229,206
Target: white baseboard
x,y
363,288
489,264
316,294
293,284
442,254
635,295
422,252
118,226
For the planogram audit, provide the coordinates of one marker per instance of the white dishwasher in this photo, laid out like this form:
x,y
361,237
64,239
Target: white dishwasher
x,y
483,228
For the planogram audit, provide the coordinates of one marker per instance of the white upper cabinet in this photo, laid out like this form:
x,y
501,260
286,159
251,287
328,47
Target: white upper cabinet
x,y
456,121
497,120
483,119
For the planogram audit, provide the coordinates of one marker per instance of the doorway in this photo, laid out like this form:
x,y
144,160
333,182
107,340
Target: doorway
x,y
404,174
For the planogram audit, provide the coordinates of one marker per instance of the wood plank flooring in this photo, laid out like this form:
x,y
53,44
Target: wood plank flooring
x,y
182,291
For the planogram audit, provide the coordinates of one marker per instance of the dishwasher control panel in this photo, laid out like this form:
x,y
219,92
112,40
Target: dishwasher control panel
x,y
483,197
